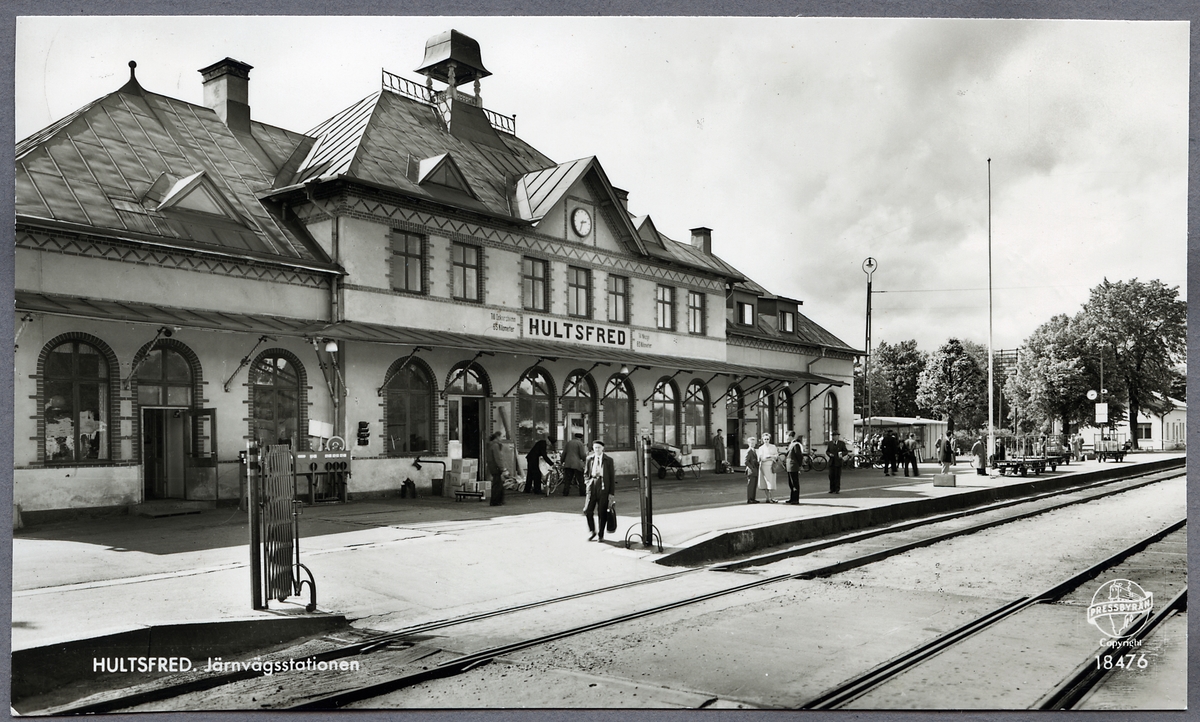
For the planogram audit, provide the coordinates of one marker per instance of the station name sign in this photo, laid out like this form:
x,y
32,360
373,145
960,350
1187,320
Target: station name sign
x,y
572,331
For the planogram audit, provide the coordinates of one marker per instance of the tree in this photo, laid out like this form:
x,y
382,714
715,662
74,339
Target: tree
x,y
952,385
1049,381
901,365
881,395
1140,330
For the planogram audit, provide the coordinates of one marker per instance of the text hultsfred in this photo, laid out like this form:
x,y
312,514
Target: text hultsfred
x,y
574,331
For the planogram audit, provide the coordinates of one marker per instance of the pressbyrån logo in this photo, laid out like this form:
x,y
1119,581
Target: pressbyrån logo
x,y
1119,607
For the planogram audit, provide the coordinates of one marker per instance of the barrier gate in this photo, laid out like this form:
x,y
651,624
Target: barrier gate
x,y
275,528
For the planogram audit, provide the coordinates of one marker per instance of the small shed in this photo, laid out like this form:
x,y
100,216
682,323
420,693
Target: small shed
x,y
927,431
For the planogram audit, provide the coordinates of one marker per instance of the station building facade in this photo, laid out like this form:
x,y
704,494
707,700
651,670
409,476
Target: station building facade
x,y
410,273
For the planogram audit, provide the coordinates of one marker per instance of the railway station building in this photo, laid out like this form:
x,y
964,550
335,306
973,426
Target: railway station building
x,y
410,276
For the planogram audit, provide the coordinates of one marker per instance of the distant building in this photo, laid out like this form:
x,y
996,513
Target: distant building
x,y
189,279
1161,428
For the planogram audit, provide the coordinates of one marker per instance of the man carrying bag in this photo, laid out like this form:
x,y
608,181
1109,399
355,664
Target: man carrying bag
x,y
601,480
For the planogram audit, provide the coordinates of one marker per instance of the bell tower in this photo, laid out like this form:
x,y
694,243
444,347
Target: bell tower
x,y
453,58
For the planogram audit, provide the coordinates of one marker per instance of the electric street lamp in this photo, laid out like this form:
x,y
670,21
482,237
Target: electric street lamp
x,y
869,266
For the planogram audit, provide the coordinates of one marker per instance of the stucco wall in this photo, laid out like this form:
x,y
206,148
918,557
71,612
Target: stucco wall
x,y
74,487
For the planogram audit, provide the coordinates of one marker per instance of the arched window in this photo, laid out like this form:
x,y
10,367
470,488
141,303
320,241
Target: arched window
x,y
783,413
579,406
831,415
164,379
695,415
535,408
408,425
765,406
617,431
664,413
75,403
276,383
468,379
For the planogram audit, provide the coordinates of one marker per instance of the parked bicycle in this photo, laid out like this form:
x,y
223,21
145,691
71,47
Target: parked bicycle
x,y
552,480
814,462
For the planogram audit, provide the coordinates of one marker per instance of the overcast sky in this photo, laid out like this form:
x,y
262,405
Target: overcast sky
x,y
807,145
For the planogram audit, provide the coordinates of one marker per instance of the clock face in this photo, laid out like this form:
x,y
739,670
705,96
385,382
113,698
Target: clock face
x,y
581,222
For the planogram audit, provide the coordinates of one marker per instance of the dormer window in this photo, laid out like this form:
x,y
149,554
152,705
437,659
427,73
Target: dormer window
x,y
787,322
745,313
441,170
197,193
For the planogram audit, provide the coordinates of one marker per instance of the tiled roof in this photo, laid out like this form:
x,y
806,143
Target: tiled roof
x,y
105,165
537,192
373,140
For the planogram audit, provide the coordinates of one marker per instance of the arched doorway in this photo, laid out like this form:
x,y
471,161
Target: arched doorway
x,y
467,389
579,407
735,414
171,427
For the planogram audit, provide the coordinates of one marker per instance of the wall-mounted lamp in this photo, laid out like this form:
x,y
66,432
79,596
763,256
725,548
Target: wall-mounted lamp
x,y
624,369
331,346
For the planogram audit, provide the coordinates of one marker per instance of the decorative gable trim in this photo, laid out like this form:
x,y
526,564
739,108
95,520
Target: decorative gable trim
x,y
442,170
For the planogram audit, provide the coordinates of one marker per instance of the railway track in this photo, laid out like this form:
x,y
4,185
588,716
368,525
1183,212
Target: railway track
x,y
1061,696
457,665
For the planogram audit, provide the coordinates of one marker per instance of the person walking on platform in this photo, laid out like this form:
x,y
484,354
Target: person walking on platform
x,y
495,467
890,448
718,442
574,454
835,449
794,459
751,469
945,452
601,482
908,453
1077,446
979,457
533,469
768,456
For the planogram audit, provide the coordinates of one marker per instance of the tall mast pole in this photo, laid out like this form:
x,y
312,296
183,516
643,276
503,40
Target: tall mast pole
x,y
991,363
868,267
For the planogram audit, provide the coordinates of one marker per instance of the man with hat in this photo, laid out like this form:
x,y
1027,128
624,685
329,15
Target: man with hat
x,y
601,480
835,449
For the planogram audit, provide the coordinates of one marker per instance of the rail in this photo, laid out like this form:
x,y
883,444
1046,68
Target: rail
x,y
409,89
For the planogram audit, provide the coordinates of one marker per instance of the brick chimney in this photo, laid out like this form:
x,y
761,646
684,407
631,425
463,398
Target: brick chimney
x,y
702,240
227,91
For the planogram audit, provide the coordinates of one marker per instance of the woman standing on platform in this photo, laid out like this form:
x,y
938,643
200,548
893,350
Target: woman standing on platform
x,y
767,454
751,469
979,452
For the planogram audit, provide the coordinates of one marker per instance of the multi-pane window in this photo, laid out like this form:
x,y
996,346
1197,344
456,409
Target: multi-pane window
x,y
535,408
464,267
664,413
695,415
409,425
533,284
579,292
831,415
1143,432
617,431
76,404
408,262
695,312
783,415
787,322
618,299
275,383
745,313
164,379
665,299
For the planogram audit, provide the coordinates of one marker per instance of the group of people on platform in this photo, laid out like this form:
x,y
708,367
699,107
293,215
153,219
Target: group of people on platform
x,y
897,452
765,463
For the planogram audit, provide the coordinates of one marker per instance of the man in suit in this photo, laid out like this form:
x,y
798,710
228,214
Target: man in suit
x,y
601,483
495,467
795,459
835,449
574,453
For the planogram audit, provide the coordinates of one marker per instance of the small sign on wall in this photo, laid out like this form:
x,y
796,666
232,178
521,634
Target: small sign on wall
x,y
1102,413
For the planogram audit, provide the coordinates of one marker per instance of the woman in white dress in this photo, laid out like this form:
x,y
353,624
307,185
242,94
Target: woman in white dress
x,y
766,473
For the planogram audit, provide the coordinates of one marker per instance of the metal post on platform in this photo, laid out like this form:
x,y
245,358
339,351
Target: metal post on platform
x,y
647,497
255,514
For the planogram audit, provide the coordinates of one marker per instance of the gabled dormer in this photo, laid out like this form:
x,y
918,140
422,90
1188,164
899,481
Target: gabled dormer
x,y
742,308
195,193
576,202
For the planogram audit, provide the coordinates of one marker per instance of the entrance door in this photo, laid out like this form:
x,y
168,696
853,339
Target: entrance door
x,y
164,452
733,441
472,431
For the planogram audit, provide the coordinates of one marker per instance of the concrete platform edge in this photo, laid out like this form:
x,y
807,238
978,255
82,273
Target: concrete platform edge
x,y
725,545
40,670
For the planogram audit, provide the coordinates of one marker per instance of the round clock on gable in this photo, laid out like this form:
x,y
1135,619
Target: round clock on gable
x,y
581,222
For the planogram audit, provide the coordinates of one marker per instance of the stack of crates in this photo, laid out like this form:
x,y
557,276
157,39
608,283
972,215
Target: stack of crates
x,y
463,479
